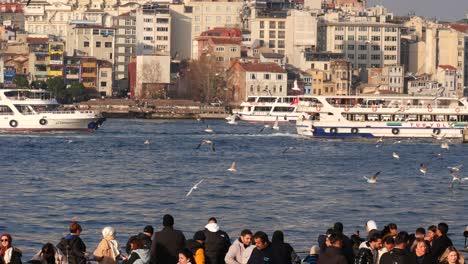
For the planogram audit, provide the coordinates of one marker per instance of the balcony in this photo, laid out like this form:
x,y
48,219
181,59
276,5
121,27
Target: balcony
x,y
89,75
89,64
41,74
72,77
89,84
41,62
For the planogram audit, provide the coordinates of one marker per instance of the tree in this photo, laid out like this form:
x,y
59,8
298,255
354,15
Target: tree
x,y
39,85
206,75
77,92
57,88
21,82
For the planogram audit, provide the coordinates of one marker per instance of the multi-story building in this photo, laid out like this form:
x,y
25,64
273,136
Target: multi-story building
x,y
38,58
447,78
72,70
105,78
56,58
89,72
246,79
11,14
268,29
321,83
90,40
223,43
341,75
366,44
301,34
125,43
389,78
153,30
422,85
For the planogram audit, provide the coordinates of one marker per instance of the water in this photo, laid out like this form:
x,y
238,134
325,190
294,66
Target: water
x,y
111,178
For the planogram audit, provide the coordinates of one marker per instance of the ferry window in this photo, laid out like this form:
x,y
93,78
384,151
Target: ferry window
x,y
452,118
24,109
283,109
439,118
426,118
5,110
267,99
386,117
263,108
373,117
359,117
411,118
399,117
251,99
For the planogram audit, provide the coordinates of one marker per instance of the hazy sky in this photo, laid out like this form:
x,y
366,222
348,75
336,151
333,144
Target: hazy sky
x,y
449,10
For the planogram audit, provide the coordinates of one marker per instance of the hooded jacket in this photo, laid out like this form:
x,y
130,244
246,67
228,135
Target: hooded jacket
x,y
235,253
197,250
58,256
165,245
217,244
73,248
138,256
366,255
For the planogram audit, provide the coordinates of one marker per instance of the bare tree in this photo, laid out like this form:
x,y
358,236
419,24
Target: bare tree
x,y
151,81
206,75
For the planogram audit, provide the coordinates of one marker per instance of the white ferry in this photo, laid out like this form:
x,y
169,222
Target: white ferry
x,y
268,108
34,110
383,116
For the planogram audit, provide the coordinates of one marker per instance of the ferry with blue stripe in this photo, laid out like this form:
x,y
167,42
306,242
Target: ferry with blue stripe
x,y
400,116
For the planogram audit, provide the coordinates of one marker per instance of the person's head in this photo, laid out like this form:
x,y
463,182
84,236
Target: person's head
x,y
431,232
389,243
212,220
168,220
453,256
370,225
401,240
6,240
420,232
136,243
419,247
199,236
338,227
375,240
148,230
442,229
314,250
246,237
185,256
336,240
390,229
48,252
108,232
261,240
75,228
278,236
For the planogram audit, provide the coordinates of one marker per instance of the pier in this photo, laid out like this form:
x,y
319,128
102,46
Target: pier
x,y
155,109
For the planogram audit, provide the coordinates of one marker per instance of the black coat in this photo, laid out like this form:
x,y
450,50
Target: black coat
x,y
439,245
396,256
364,256
216,246
146,240
272,254
426,259
73,248
16,255
348,249
166,243
332,255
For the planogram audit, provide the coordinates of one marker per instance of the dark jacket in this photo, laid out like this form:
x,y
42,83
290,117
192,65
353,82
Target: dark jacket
x,y
332,255
216,246
364,256
16,255
73,248
143,238
272,254
426,259
348,249
439,245
310,259
165,245
396,256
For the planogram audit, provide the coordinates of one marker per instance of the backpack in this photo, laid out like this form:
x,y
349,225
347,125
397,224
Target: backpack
x,y
66,246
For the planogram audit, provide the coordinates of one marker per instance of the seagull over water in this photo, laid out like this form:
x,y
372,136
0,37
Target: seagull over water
x,y
194,188
147,142
233,167
208,129
206,142
455,168
439,137
423,168
396,155
263,128
288,149
444,145
372,179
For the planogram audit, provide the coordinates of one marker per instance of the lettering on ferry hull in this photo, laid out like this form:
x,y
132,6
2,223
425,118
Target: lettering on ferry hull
x,y
431,125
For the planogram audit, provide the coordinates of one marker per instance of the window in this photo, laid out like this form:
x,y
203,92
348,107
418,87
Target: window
x,y
219,48
362,28
103,74
281,88
108,44
281,34
339,47
281,25
375,57
350,37
350,47
258,88
95,31
272,24
279,77
362,38
251,88
340,28
262,24
271,44
272,34
110,56
375,38
390,48
388,38
86,44
162,38
351,56
362,56
262,34
103,84
362,47
375,47
147,38
266,76
233,49
197,18
148,29
162,29
220,58
350,28
339,37
375,29
253,76
162,20
148,20
280,43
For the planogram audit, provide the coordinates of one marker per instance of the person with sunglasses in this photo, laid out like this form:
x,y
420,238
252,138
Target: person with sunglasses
x,y
8,253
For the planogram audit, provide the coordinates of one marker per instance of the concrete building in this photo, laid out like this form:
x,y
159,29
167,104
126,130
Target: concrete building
x,y
447,78
38,58
273,57
56,59
365,44
73,70
268,29
246,79
223,43
153,30
341,75
422,85
149,76
301,34
105,78
321,83
125,43
390,78
89,72
90,40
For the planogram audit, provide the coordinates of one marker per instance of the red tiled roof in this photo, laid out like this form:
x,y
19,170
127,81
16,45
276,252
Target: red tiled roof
x,y
32,40
262,67
448,67
460,27
223,32
224,41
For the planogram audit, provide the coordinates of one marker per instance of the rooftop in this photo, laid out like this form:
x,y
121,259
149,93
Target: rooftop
x,y
269,55
448,67
225,41
460,27
261,67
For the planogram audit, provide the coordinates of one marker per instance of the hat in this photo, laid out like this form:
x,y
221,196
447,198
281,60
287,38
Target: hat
x,y
168,220
199,235
148,229
314,250
371,225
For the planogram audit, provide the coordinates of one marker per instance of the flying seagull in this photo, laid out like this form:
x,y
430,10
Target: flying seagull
x,y
193,188
147,142
233,167
423,168
455,168
456,177
263,128
444,145
206,142
208,129
396,155
372,179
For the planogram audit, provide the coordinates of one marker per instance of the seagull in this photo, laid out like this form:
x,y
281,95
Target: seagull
x,y
380,140
372,179
208,129
263,128
275,125
70,141
287,149
456,177
206,142
444,145
438,137
396,155
147,142
397,142
455,168
423,168
193,188
233,167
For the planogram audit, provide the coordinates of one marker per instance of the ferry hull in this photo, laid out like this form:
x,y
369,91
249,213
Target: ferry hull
x,y
36,123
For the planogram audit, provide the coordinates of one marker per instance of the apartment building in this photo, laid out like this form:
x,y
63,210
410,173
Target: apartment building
x,y
56,59
125,43
90,40
447,78
105,78
320,82
365,44
153,30
301,34
38,58
268,29
389,78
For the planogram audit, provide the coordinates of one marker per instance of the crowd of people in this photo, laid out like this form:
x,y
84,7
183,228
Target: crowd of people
x,y
213,246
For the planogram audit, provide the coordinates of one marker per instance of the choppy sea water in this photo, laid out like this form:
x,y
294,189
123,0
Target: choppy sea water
x,y
111,177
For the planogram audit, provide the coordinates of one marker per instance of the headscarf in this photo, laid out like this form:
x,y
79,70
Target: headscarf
x,y
108,233
4,249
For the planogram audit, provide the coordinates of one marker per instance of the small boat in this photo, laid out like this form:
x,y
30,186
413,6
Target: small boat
x,y
269,108
30,110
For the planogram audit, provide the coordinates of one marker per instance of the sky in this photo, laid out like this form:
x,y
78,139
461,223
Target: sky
x,y
448,10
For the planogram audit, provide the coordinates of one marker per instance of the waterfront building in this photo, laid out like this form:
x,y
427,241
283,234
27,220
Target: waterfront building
x,y
321,82
56,57
223,43
125,43
89,72
38,58
153,29
105,78
421,85
149,76
85,39
390,78
300,34
277,58
73,69
268,29
447,78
